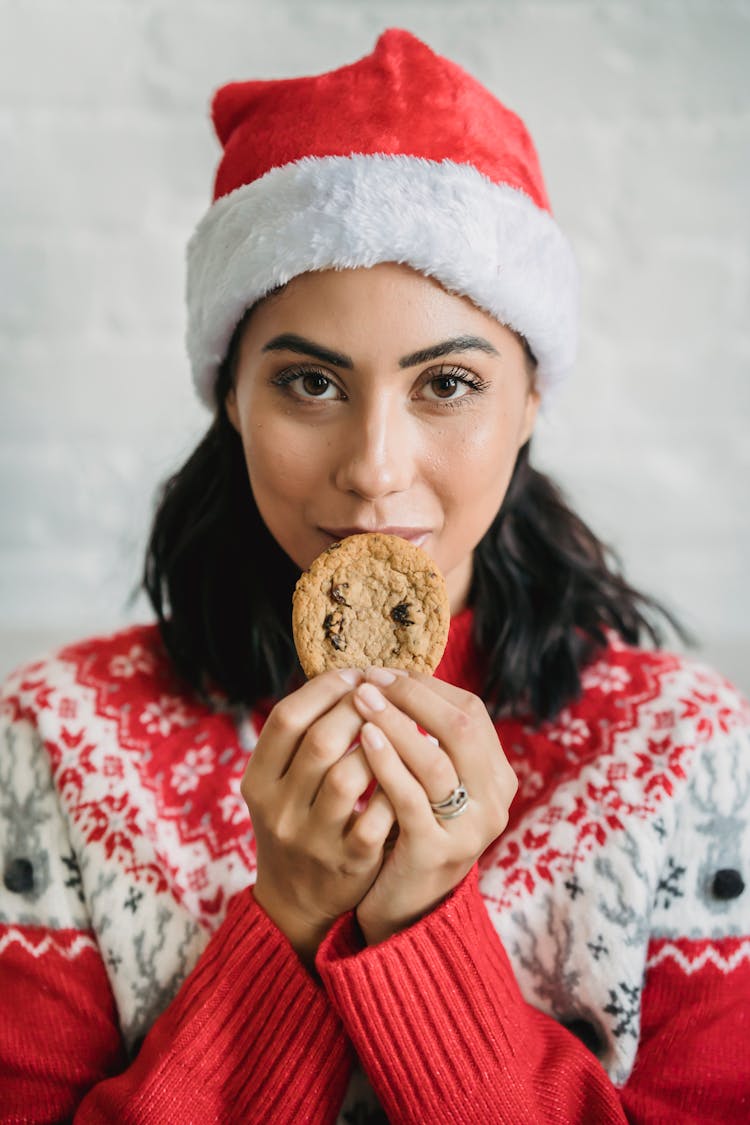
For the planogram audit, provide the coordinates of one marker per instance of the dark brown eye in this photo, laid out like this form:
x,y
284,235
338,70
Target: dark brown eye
x,y
444,386
315,384
451,384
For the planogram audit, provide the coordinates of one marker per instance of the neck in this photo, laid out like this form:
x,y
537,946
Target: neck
x,y
458,582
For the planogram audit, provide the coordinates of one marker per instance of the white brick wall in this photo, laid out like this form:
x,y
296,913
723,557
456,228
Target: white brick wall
x,y
641,113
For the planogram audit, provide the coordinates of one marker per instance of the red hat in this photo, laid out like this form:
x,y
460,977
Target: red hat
x,y
399,157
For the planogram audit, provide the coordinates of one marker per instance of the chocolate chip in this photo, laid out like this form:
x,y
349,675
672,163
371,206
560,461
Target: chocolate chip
x,y
19,876
333,625
337,593
727,883
400,614
587,1033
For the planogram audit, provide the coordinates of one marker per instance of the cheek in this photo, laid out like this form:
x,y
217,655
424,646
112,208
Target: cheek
x,y
277,464
483,453
472,477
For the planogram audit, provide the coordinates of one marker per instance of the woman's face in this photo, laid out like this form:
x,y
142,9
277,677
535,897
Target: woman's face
x,y
373,400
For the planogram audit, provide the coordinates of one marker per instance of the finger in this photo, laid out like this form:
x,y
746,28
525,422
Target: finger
x,y
324,744
384,677
293,716
370,830
453,716
407,797
340,789
430,765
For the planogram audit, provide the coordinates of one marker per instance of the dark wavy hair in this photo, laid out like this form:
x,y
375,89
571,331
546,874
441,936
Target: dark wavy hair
x,y
545,590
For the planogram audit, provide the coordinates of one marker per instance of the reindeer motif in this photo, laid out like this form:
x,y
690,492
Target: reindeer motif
x,y
723,819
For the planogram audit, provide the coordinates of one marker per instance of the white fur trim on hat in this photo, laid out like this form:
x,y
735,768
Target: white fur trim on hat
x,y
481,240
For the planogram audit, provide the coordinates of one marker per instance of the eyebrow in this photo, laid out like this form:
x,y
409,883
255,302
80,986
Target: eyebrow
x,y
290,342
447,347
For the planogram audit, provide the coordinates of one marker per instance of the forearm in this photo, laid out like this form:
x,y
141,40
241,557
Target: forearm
x,y
442,1030
250,1036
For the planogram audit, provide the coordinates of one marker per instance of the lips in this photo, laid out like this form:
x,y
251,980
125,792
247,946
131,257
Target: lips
x,y
416,535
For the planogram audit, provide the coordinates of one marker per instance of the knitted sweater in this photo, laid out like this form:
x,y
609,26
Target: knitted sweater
x,y
593,967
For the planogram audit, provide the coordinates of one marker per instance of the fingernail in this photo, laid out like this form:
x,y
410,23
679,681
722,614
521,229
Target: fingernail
x,y
382,676
372,737
351,676
371,697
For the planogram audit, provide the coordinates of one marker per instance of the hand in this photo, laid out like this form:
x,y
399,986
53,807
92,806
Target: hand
x,y
317,856
430,856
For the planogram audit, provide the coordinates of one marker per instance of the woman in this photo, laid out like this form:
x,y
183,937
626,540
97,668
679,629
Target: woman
x,y
378,302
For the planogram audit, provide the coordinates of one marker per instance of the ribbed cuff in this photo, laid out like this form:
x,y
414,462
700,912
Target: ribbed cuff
x,y
250,1036
434,1013
442,1029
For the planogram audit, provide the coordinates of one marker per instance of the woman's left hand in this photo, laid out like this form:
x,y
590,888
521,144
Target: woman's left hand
x,y
430,856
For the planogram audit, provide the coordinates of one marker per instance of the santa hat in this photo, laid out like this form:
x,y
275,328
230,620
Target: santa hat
x,y
399,157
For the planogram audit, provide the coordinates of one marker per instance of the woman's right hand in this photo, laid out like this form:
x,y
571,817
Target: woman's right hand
x,y
317,856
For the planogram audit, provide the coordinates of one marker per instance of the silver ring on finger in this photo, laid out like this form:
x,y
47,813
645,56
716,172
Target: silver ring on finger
x,y
453,805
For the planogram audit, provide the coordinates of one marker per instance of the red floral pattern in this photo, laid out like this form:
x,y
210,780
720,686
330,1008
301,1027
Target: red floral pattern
x,y
614,754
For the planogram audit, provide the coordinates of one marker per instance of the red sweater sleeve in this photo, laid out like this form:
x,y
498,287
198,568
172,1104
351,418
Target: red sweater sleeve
x,y
439,1023
249,1037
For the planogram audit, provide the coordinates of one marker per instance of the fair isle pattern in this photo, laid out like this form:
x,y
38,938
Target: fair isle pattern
x,y
129,753
38,944
711,835
693,956
619,754
608,800
573,884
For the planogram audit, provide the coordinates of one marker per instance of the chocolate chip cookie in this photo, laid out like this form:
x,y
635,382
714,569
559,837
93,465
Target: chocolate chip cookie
x,y
371,599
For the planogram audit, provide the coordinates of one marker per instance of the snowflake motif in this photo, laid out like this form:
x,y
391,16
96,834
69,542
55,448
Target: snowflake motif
x,y
162,717
570,732
111,822
187,774
114,960
626,1009
74,874
670,884
618,771
233,809
551,815
133,900
137,660
112,766
606,677
529,861
197,879
68,709
714,715
598,947
573,887
664,719
530,781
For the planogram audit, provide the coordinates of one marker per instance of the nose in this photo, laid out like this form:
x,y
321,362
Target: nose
x,y
376,452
